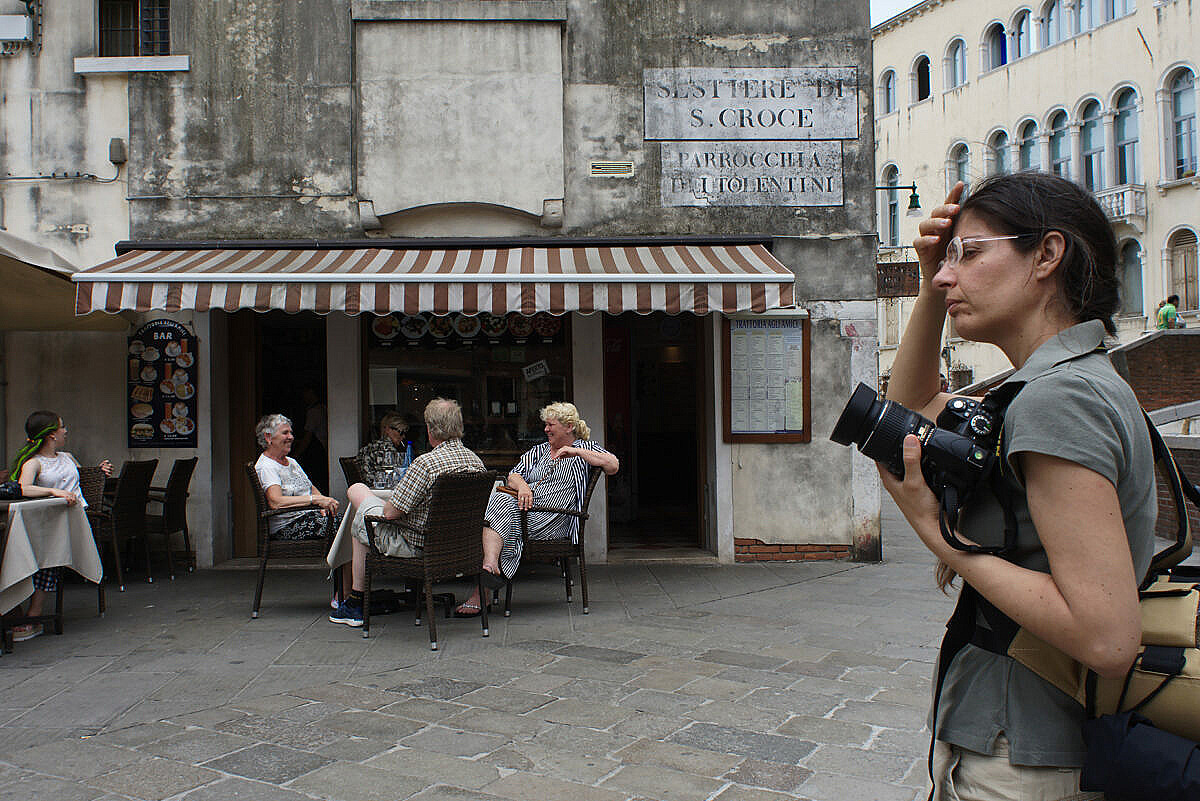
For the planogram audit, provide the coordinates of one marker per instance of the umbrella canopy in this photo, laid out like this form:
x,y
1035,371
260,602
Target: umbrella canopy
x,y
38,294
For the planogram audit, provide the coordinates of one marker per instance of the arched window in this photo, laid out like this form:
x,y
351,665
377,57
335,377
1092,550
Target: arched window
x,y
920,79
1131,278
956,64
1060,148
995,47
891,179
998,153
887,92
1125,129
1182,89
1021,42
960,164
1181,249
1030,151
1092,144
1052,23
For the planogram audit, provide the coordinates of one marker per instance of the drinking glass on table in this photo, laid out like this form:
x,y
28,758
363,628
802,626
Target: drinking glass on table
x,y
386,477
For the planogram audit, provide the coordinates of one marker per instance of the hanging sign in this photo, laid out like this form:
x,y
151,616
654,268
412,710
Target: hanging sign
x,y
162,375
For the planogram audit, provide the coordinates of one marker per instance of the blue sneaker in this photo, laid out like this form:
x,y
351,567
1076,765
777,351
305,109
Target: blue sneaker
x,y
347,614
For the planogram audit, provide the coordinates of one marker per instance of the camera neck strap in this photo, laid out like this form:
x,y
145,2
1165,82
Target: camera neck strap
x,y
996,404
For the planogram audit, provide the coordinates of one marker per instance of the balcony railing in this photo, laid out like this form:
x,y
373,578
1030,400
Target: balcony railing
x,y
1123,202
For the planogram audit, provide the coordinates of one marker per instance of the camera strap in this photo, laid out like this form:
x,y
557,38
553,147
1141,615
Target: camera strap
x,y
995,403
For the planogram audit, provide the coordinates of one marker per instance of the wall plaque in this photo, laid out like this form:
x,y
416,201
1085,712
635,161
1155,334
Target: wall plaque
x,y
751,173
698,103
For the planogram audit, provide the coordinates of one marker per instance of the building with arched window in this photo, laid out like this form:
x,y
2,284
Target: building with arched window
x,y
1064,86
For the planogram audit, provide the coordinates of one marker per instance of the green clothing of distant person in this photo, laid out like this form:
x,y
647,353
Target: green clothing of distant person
x,y
1167,314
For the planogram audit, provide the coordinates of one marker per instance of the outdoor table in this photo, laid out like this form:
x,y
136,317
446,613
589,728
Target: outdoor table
x,y
45,532
41,533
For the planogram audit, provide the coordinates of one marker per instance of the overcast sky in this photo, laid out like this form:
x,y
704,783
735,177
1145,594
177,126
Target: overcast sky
x,y
886,9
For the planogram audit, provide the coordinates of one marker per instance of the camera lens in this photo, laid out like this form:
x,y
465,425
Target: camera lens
x,y
877,427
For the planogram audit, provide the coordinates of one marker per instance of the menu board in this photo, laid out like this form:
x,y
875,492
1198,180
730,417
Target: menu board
x,y
161,378
766,389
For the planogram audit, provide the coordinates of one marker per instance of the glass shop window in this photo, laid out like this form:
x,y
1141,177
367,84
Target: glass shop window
x,y
502,369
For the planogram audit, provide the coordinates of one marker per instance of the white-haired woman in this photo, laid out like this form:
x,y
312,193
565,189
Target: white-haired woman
x,y
287,485
553,474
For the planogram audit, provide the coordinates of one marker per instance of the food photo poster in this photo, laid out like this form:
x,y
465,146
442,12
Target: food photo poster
x,y
161,380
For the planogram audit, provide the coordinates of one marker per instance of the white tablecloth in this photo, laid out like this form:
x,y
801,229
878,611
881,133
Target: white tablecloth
x,y
46,532
342,550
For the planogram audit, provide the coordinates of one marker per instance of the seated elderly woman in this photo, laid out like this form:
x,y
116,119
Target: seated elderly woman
x,y
552,474
287,485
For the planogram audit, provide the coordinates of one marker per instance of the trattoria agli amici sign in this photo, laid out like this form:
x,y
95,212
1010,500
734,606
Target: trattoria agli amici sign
x,y
161,377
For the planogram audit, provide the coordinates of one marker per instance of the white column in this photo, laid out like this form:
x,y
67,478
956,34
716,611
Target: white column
x,y
1044,147
1110,148
1075,142
343,375
587,379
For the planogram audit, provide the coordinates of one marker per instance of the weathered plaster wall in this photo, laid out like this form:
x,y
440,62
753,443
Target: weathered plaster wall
x,y
610,43
254,141
53,121
489,93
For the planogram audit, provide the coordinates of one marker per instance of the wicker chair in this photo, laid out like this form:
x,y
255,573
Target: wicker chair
x,y
453,544
173,498
268,547
560,552
351,470
121,516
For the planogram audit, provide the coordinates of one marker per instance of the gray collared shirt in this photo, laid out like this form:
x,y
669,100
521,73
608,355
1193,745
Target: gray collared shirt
x,y
1074,406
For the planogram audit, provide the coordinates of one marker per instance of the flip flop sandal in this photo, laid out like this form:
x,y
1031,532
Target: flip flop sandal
x,y
466,605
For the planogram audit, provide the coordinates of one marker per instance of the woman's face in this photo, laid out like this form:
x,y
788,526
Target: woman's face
x,y
556,431
281,440
991,287
58,435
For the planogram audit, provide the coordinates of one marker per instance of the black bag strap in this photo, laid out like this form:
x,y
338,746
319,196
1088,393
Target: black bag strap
x,y
1180,487
959,630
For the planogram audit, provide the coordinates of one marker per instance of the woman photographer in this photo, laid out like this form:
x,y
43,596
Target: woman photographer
x,y
1028,263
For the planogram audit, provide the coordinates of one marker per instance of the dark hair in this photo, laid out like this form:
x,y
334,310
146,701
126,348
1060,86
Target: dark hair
x,y
38,426
1032,204
1173,300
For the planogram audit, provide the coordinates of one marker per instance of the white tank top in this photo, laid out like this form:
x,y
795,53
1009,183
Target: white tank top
x,y
59,472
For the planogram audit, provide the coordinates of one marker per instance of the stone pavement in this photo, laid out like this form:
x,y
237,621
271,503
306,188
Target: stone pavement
x,y
740,683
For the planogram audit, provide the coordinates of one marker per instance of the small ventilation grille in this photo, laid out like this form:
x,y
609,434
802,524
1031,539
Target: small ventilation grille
x,y
611,169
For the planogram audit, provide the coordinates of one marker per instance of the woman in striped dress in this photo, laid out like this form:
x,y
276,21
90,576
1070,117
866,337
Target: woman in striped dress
x,y
552,474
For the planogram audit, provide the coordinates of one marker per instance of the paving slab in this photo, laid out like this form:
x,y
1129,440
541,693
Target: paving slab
x,y
269,763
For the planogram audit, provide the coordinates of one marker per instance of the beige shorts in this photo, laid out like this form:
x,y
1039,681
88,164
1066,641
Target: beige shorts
x,y
963,775
388,538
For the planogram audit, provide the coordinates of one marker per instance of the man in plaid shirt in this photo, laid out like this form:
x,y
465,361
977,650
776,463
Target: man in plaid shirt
x,y
409,501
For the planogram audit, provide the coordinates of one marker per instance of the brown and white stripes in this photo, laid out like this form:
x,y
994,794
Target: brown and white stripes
x,y
670,278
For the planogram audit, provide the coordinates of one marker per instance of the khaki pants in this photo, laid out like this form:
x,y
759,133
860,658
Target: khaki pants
x,y
388,538
963,775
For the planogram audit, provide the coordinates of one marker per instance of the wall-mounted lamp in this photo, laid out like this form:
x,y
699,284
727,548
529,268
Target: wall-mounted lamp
x,y
914,202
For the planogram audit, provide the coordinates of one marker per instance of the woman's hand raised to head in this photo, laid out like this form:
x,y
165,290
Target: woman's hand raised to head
x,y
934,232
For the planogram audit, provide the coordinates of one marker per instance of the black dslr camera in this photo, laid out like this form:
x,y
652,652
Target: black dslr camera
x,y
956,453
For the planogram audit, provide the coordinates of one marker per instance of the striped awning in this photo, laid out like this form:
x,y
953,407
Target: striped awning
x,y
672,278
